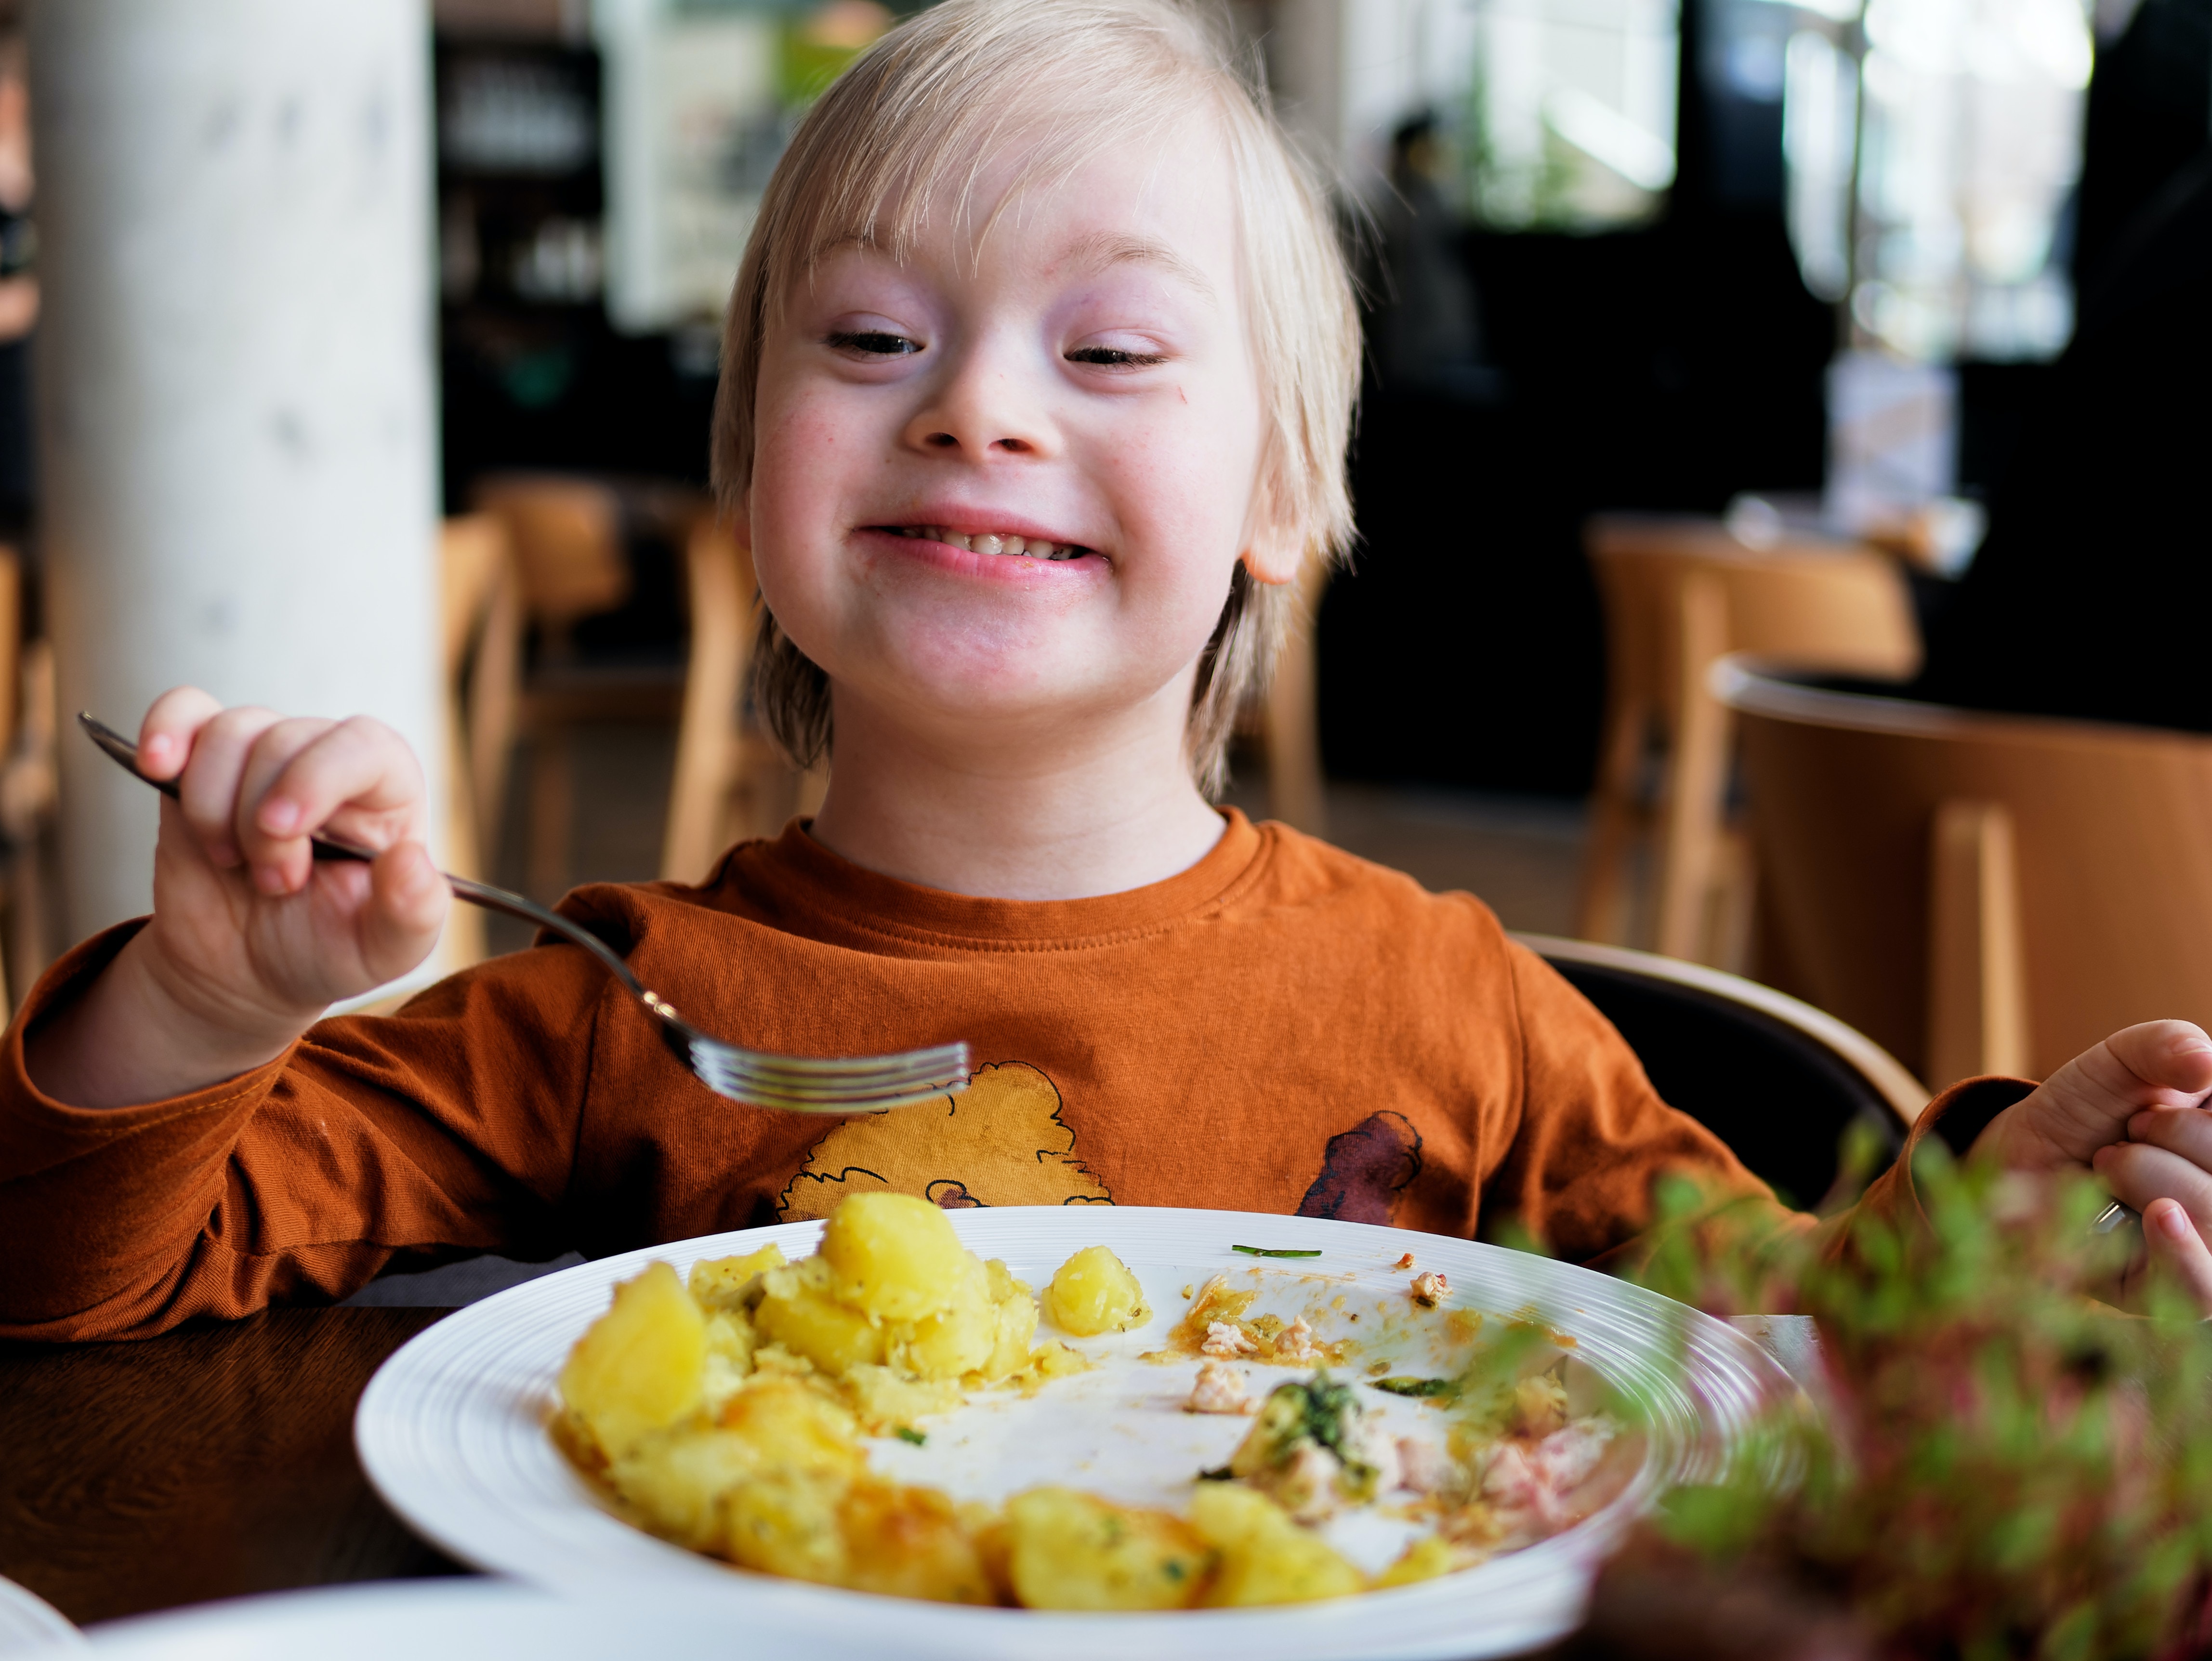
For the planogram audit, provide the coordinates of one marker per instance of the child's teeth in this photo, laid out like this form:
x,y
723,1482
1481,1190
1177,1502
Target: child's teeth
x,y
991,542
987,543
953,539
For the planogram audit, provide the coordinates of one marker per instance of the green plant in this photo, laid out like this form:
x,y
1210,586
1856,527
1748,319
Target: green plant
x,y
2008,1467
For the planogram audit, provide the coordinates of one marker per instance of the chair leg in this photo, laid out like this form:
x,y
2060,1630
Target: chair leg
x,y
1697,772
1978,1018
1615,817
1297,794
552,809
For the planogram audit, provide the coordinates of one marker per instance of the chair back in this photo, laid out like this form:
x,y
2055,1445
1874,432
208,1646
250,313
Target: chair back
x,y
1679,595
1778,1082
1978,893
567,535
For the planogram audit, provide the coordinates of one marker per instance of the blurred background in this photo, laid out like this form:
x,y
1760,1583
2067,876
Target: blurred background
x,y
1695,326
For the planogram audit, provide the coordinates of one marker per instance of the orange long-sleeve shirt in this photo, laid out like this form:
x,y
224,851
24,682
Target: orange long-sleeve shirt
x,y
1280,1028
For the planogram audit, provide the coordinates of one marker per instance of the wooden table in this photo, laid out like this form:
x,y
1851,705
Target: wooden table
x,y
212,1462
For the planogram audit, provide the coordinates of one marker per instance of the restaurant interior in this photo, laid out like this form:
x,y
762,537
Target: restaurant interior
x,y
1777,418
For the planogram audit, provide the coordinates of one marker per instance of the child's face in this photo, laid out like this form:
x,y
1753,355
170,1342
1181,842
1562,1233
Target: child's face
x,y
1081,379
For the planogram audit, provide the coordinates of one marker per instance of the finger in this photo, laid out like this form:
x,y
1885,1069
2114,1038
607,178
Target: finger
x,y
164,737
2140,1177
408,905
360,764
2176,1245
208,787
2086,1102
280,864
2186,1131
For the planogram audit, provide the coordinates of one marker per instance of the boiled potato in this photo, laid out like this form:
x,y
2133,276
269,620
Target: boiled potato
x,y
1265,1557
1093,1292
957,1338
785,1521
798,1311
641,1365
1425,1560
676,1478
720,1282
896,1256
1014,1324
789,1424
909,1542
1066,1550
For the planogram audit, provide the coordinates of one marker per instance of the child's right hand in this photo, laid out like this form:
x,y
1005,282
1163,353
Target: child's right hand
x,y
252,937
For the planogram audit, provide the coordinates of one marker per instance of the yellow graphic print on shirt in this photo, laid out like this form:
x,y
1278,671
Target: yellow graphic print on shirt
x,y
999,1142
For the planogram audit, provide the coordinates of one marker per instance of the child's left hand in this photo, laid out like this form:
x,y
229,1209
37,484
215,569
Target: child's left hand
x,y
2131,1109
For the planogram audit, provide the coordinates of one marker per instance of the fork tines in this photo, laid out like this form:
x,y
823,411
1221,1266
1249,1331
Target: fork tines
x,y
826,1084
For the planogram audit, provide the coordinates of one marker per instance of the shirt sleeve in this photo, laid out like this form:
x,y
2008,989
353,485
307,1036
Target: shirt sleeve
x,y
1593,1136
447,1128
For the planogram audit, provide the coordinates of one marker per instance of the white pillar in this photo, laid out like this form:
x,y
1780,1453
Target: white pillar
x,y
236,426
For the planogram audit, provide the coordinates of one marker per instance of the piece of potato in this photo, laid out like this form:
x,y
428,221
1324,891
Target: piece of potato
x,y
884,1401
896,1256
785,1522
1425,1560
798,1311
641,1365
1093,1292
909,1542
792,1424
1263,1556
1014,1323
677,1479
955,1339
1065,1550
720,1282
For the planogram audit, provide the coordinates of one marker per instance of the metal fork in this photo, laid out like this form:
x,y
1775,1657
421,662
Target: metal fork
x,y
797,1084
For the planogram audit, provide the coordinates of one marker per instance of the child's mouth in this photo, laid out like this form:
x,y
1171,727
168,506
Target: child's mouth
x,y
991,542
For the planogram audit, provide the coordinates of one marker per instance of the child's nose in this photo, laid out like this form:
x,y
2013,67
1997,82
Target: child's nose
x,y
982,411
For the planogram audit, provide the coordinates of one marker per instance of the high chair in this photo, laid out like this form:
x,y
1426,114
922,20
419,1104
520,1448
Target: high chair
x,y
481,649
1679,595
1979,893
28,788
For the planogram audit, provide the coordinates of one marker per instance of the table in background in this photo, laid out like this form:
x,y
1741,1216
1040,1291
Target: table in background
x,y
212,1462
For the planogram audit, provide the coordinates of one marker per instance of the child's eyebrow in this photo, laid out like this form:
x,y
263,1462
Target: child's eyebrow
x,y
1103,249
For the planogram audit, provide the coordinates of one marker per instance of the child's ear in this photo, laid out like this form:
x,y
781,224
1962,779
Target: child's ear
x,y
1273,556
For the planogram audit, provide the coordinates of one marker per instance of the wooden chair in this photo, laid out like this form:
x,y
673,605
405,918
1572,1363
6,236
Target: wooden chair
x,y
29,789
481,625
1979,893
1777,1080
731,782
1679,594
1289,721
569,538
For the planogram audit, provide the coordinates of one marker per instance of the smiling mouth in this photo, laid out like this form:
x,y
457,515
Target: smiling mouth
x,y
991,542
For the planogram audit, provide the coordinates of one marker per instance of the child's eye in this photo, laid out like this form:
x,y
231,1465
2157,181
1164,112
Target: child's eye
x,y
873,342
1114,357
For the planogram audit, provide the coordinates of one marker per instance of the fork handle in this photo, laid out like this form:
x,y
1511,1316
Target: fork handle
x,y
125,754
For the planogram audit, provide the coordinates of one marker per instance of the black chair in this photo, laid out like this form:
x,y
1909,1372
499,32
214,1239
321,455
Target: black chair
x,y
1777,1080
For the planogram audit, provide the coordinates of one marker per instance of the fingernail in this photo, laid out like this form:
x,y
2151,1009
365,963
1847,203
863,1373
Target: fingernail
x,y
157,749
2174,1222
278,816
269,880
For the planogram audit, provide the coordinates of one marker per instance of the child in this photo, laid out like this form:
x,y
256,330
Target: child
x,y
1038,376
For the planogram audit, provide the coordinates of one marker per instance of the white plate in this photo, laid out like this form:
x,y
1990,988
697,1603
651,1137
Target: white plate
x,y
29,1621
451,1431
469,1619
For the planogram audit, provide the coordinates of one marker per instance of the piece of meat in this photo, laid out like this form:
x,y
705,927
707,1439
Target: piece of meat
x,y
1226,1338
1406,1261
1306,1487
1295,1343
1427,1469
1431,1289
1219,1389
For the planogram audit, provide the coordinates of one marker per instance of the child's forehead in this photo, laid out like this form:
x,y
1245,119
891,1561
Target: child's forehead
x,y
1162,200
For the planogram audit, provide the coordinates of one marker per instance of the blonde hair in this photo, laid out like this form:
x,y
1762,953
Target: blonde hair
x,y
915,121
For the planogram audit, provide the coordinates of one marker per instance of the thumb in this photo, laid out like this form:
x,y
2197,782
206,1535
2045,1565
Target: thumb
x,y
408,901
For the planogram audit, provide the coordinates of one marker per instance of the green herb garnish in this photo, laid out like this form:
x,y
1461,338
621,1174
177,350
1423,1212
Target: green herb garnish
x,y
1408,1386
908,1433
1271,1252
